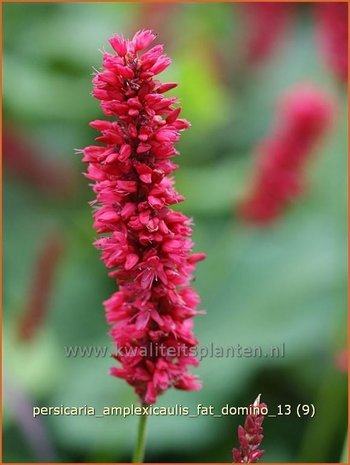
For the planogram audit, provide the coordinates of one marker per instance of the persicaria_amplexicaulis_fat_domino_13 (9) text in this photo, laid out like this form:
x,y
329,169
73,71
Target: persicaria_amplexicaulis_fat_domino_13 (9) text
x,y
144,242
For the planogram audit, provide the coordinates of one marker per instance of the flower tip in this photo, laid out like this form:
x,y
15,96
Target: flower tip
x,y
197,257
143,38
119,44
257,401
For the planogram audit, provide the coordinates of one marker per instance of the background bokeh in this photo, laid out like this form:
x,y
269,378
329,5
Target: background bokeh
x,y
285,283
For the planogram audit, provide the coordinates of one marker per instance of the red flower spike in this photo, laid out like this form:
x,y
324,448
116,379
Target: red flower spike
x,y
250,436
304,116
267,24
146,244
332,32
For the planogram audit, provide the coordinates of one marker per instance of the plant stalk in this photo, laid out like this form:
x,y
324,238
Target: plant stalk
x,y
139,451
344,457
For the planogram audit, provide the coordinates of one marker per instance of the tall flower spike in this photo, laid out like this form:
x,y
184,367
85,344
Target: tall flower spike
x,y
250,435
145,243
304,116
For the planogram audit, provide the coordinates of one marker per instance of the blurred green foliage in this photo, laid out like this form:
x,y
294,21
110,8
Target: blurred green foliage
x,y
285,283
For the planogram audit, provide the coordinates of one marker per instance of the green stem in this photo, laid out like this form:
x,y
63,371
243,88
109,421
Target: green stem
x,y
139,451
344,457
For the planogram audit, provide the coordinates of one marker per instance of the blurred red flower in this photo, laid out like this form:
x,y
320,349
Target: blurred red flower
x,y
304,116
27,160
37,304
332,30
266,26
